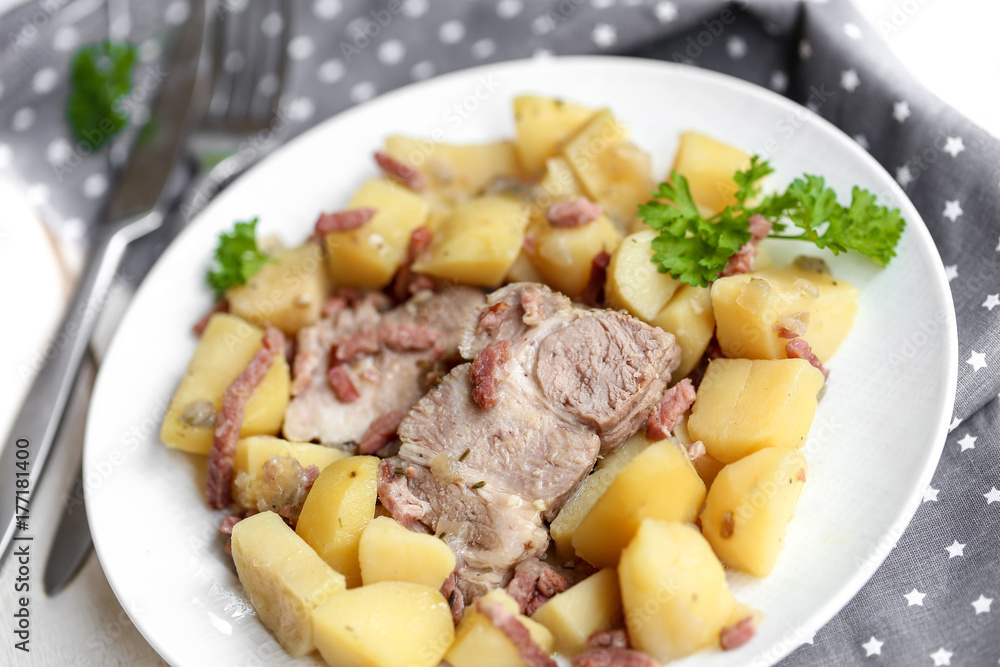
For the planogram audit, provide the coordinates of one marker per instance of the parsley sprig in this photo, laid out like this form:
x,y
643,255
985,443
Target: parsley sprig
x,y
100,78
695,250
237,257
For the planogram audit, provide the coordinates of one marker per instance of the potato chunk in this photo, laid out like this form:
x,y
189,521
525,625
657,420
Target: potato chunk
x,y
563,256
284,579
387,624
749,505
287,293
673,590
226,347
390,552
592,488
709,165
751,308
368,256
660,483
543,124
337,510
690,318
478,643
633,282
746,405
252,453
479,243
593,605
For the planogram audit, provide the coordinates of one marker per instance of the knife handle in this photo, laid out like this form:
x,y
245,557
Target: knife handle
x,y
30,440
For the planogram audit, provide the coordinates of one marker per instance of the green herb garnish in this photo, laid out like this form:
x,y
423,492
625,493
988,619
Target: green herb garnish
x,y
695,250
100,77
237,257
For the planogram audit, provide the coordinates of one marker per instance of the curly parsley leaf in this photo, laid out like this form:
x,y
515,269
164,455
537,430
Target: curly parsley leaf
x,y
237,257
100,77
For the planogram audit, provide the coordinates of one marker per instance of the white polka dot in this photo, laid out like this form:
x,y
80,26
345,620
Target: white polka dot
x,y
177,12
150,50
508,9
6,155
484,48
65,39
391,52
422,70
451,32
272,24
301,108
415,8
268,84
73,229
542,25
331,71
234,62
139,115
300,48
94,186
1,89
543,54
852,31
23,119
58,151
120,27
736,47
601,4
236,6
326,9
362,91
37,194
779,81
604,35
118,155
44,80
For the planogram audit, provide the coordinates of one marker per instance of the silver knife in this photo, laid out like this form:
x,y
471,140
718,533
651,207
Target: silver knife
x,y
133,210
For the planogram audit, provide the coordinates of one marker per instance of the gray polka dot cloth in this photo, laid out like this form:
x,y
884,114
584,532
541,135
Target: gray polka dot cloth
x,y
936,600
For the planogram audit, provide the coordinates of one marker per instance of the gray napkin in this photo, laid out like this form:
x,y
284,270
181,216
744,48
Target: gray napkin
x,y
932,602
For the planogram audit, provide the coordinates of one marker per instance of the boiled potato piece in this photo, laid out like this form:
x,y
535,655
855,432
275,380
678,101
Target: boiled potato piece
x,y
387,624
523,271
673,590
708,165
659,483
226,347
563,256
252,453
592,488
745,405
287,293
479,243
284,579
690,318
369,256
543,124
456,171
749,506
479,644
752,307
389,552
706,466
593,605
613,171
337,510
558,184
633,283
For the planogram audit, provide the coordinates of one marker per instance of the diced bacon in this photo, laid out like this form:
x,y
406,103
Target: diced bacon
x,y
307,358
534,582
229,523
492,317
504,621
786,334
342,384
454,597
613,657
380,431
531,302
593,293
333,306
403,173
485,368
407,283
220,306
574,213
798,348
742,261
760,227
343,221
406,337
736,635
395,494
356,344
230,418
675,402
616,638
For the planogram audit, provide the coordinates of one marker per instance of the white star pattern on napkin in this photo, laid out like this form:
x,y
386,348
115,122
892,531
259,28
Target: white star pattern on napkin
x,y
904,176
665,12
967,442
982,605
849,80
991,301
977,360
951,272
993,496
901,111
953,146
604,35
915,597
941,657
952,209
930,495
872,647
955,549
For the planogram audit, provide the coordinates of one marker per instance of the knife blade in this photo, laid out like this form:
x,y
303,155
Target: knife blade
x,y
133,210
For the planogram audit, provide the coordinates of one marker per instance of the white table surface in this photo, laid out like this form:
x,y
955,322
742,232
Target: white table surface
x,y
85,626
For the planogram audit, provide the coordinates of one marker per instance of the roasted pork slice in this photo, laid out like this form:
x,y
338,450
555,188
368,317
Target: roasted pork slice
x,y
550,387
360,364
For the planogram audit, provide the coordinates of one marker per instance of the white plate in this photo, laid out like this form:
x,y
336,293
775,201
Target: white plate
x,y
873,447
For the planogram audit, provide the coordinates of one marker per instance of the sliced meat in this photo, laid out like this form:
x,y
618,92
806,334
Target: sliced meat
x,y
736,635
613,657
534,583
380,432
574,213
386,378
675,402
577,383
403,173
617,638
743,260
395,493
342,221
507,623
230,418
798,348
